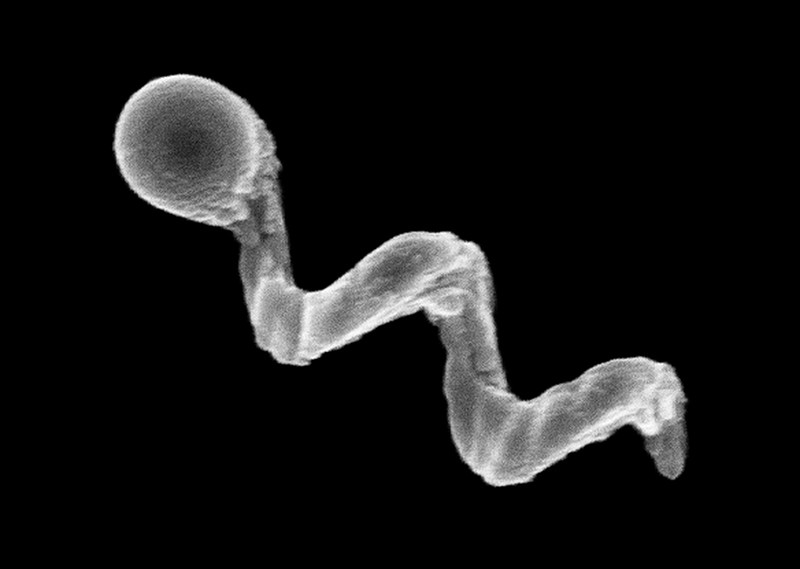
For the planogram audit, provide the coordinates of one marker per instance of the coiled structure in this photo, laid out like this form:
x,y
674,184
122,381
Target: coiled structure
x,y
190,147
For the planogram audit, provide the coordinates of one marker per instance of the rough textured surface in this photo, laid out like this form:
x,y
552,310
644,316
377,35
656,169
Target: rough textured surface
x,y
183,147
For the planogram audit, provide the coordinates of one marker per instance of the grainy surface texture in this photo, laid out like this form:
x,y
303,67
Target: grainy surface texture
x,y
190,147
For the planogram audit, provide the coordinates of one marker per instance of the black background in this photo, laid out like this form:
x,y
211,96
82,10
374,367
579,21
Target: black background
x,y
581,169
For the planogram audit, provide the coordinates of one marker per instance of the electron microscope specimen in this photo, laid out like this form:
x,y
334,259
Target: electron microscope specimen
x,y
189,146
